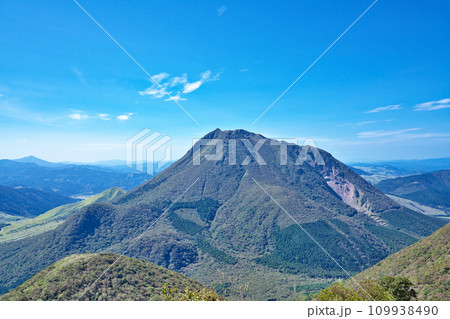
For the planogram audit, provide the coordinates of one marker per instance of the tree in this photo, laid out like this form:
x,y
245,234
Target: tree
x,y
367,290
399,287
205,294
385,289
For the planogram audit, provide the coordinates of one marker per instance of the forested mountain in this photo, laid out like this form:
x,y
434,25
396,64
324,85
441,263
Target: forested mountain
x,y
52,218
29,202
426,263
68,180
127,279
220,225
431,189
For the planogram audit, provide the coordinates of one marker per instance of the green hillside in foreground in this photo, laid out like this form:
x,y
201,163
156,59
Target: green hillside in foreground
x,y
127,279
426,263
54,217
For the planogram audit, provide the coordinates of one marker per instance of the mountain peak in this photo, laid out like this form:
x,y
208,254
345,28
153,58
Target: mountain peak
x,y
36,160
231,134
29,158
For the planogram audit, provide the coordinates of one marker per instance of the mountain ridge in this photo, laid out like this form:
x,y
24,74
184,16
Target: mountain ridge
x,y
29,202
52,218
68,180
219,224
430,189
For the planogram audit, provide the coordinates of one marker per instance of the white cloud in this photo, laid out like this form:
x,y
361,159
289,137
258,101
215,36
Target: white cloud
x,y
76,71
365,123
178,85
385,108
159,77
375,134
221,10
178,80
191,87
78,116
205,76
103,116
175,98
79,75
124,117
433,105
155,91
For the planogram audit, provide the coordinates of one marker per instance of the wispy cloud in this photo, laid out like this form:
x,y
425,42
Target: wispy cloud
x,y
177,85
82,115
16,110
191,87
175,98
385,108
375,134
178,80
78,74
161,76
243,70
433,105
78,116
365,123
103,116
221,10
124,117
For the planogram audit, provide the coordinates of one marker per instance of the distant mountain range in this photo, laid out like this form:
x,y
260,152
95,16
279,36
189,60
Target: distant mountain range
x,y
70,180
38,161
378,171
119,166
426,263
430,189
29,202
52,218
127,279
221,222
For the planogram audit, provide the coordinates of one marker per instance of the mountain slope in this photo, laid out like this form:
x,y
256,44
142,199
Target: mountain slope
x,y
215,223
431,189
127,279
51,219
29,202
426,263
69,180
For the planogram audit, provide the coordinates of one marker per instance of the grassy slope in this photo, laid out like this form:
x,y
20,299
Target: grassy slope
x,y
127,279
426,263
53,218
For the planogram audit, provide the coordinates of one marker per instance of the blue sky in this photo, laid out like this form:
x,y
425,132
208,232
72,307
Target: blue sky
x,y
69,93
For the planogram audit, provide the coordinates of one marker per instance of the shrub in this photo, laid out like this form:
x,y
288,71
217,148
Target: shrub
x,y
385,289
205,294
399,287
367,290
